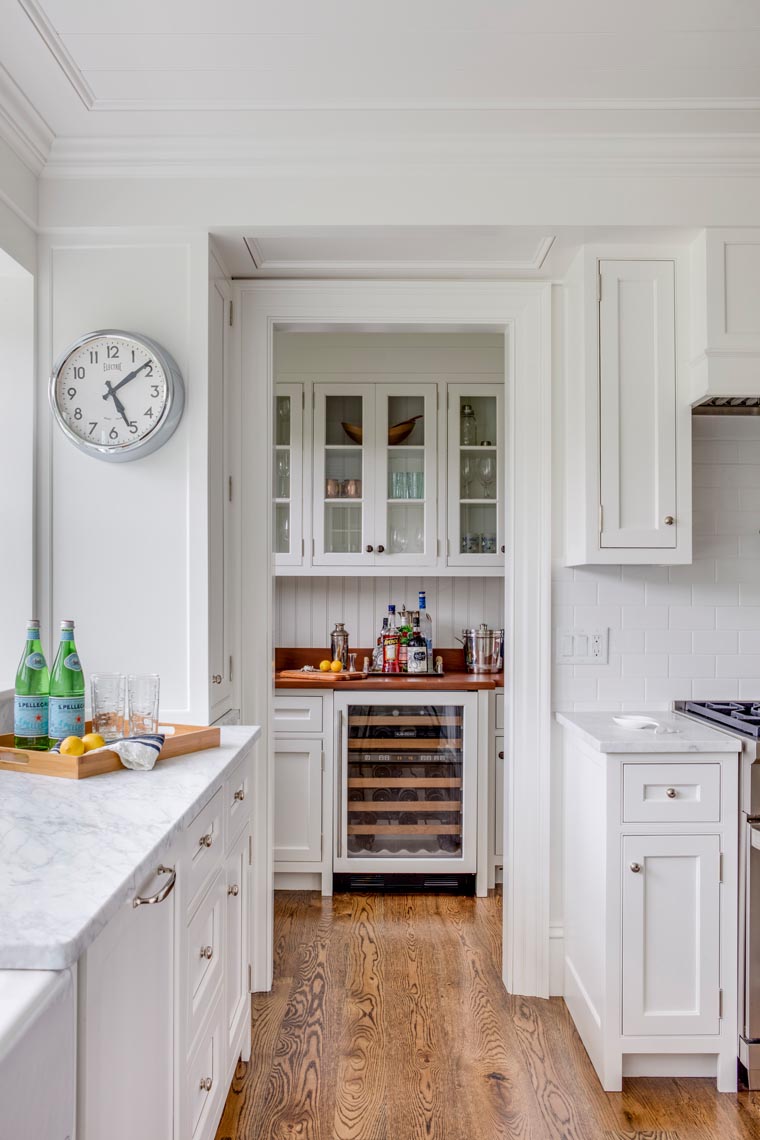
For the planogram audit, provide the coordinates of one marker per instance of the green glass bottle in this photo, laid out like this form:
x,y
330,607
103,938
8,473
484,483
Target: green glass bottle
x,y
30,706
66,689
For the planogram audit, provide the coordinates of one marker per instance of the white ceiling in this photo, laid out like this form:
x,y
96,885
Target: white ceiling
x,y
279,67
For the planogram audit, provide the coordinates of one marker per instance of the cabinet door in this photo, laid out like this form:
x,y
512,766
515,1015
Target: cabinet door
x,y
298,801
236,944
498,798
126,1023
637,404
405,483
344,474
476,480
287,476
220,529
671,930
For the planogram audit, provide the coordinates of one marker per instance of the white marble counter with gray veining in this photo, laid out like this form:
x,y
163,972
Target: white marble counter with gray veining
x,y
71,851
676,733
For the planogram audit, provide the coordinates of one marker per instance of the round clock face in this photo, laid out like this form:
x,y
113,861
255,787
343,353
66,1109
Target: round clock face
x,y
115,394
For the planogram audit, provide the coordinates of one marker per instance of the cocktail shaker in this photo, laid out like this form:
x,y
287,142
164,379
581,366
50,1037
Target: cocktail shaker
x,y
339,644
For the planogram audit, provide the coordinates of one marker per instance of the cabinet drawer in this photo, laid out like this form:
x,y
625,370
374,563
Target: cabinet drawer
x,y
204,1077
499,707
204,845
237,801
671,793
297,714
205,955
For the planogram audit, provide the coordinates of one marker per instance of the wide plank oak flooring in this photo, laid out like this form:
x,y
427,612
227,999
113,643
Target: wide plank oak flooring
x,y
387,1020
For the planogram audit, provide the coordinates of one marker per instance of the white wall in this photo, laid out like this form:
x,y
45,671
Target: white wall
x,y
123,547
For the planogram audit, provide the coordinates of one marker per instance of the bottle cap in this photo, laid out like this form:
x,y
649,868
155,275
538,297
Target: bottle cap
x,y
33,621
67,623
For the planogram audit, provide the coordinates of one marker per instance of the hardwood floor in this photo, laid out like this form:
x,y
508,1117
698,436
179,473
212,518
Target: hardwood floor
x,y
388,1021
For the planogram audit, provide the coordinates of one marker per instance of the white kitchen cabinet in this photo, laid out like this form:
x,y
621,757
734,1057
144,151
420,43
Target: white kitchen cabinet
x,y
650,909
498,801
671,934
475,473
236,981
298,800
628,417
126,1020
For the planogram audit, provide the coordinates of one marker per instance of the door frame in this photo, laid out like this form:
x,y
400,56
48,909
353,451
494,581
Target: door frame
x,y
521,312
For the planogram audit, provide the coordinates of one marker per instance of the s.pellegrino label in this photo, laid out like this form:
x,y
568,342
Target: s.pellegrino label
x,y
66,689
66,717
30,705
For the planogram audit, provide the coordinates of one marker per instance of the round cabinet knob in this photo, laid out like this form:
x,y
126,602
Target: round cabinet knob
x,y
635,867
369,549
206,1083
233,890
207,952
671,793
239,794
216,679
380,549
501,755
504,550
205,840
669,520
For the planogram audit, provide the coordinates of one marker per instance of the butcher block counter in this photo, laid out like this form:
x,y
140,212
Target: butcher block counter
x,y
454,679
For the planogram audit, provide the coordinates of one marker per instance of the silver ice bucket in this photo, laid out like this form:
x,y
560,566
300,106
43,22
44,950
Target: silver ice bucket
x,y
483,649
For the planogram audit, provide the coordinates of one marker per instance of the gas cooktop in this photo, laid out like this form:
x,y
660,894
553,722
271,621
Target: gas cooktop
x,y
742,716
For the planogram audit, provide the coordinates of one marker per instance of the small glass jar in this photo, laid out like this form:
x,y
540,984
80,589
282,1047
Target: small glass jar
x,y
469,426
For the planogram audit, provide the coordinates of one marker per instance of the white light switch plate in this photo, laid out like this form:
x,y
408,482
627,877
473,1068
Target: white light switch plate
x,y
582,647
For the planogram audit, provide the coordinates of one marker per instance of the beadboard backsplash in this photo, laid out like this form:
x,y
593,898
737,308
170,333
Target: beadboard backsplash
x,y
306,609
681,631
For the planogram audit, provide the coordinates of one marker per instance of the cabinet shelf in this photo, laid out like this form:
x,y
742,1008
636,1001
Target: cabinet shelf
x,y
404,782
404,829
410,745
380,807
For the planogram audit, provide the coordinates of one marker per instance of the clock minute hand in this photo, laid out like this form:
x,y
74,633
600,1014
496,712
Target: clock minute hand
x,y
127,378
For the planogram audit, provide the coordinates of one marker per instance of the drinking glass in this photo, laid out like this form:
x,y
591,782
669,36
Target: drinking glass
x,y
142,702
416,481
467,474
398,540
487,474
107,695
283,474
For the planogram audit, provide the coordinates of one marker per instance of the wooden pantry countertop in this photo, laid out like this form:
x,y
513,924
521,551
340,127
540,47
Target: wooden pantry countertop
x,y
454,679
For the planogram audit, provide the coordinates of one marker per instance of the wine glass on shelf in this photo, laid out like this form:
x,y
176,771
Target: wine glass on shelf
x,y
467,474
283,474
487,474
398,540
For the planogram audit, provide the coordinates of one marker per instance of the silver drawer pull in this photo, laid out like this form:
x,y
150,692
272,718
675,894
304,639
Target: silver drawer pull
x,y
206,840
165,891
635,867
239,795
207,952
206,1083
671,793
233,890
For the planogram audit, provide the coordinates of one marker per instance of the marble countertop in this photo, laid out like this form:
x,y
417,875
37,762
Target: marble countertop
x,y
72,851
599,730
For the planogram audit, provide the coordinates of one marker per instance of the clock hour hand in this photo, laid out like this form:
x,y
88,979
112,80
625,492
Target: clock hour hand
x,y
117,402
127,378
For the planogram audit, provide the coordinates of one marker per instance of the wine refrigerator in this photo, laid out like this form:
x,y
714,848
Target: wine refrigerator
x,y
406,793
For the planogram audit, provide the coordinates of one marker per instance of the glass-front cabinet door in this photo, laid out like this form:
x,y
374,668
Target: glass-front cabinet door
x,y
287,476
405,464
476,483
344,435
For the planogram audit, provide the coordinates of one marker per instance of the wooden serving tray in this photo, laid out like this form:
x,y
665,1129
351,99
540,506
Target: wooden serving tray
x,y
299,675
186,738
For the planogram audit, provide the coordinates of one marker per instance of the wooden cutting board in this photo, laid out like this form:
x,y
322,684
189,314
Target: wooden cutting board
x,y
299,675
185,739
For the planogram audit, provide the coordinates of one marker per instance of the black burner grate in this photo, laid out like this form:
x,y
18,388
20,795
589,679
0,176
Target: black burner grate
x,y
742,716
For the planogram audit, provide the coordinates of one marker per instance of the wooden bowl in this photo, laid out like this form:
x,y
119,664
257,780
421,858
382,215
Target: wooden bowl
x,y
396,434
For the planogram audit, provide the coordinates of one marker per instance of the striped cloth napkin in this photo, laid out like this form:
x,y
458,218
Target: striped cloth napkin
x,y
137,752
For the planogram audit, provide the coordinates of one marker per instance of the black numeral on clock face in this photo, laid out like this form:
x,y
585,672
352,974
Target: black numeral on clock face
x,y
93,356
113,434
93,425
79,372
154,391
113,351
77,413
148,369
71,393
133,427
148,413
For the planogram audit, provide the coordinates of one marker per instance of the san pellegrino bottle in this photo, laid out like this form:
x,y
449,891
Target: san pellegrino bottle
x,y
426,629
66,689
30,706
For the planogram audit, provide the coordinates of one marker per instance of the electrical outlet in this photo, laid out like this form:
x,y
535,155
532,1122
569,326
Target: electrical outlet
x,y
582,647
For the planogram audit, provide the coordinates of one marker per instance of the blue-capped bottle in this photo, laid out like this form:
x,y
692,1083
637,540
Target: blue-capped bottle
x,y
30,706
66,717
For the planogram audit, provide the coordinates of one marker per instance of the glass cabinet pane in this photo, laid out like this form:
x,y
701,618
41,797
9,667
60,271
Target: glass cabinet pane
x,y
475,476
282,426
286,474
343,528
405,776
343,466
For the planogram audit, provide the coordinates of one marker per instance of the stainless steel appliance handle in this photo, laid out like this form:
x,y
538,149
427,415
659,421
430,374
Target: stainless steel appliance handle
x,y
749,961
165,891
339,815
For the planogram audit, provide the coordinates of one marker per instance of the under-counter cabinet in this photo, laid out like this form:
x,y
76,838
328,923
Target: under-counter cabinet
x,y
650,900
628,414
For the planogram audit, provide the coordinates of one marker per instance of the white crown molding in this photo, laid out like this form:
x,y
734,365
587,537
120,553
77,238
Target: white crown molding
x,y
59,52
677,155
21,125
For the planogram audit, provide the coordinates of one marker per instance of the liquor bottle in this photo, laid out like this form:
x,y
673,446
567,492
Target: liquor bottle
x,y
391,644
30,706
377,653
66,689
426,629
418,658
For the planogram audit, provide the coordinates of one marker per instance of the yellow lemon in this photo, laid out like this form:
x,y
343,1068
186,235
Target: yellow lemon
x,y
324,666
92,740
72,746
337,666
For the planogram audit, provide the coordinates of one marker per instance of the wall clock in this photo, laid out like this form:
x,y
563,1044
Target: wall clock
x,y
116,395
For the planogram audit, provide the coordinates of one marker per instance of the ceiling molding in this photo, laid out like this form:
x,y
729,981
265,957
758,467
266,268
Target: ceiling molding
x,y
677,155
59,52
255,251
21,125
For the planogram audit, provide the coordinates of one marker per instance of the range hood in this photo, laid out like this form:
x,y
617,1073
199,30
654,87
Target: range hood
x,y
728,406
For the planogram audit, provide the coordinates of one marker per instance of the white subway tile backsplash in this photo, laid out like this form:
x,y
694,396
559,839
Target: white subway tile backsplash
x,y
715,594
662,691
621,689
626,641
597,617
712,688
645,617
622,591
746,569
692,665
645,665
715,641
749,641
748,688
668,641
692,617
576,593
659,593
736,617
738,665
